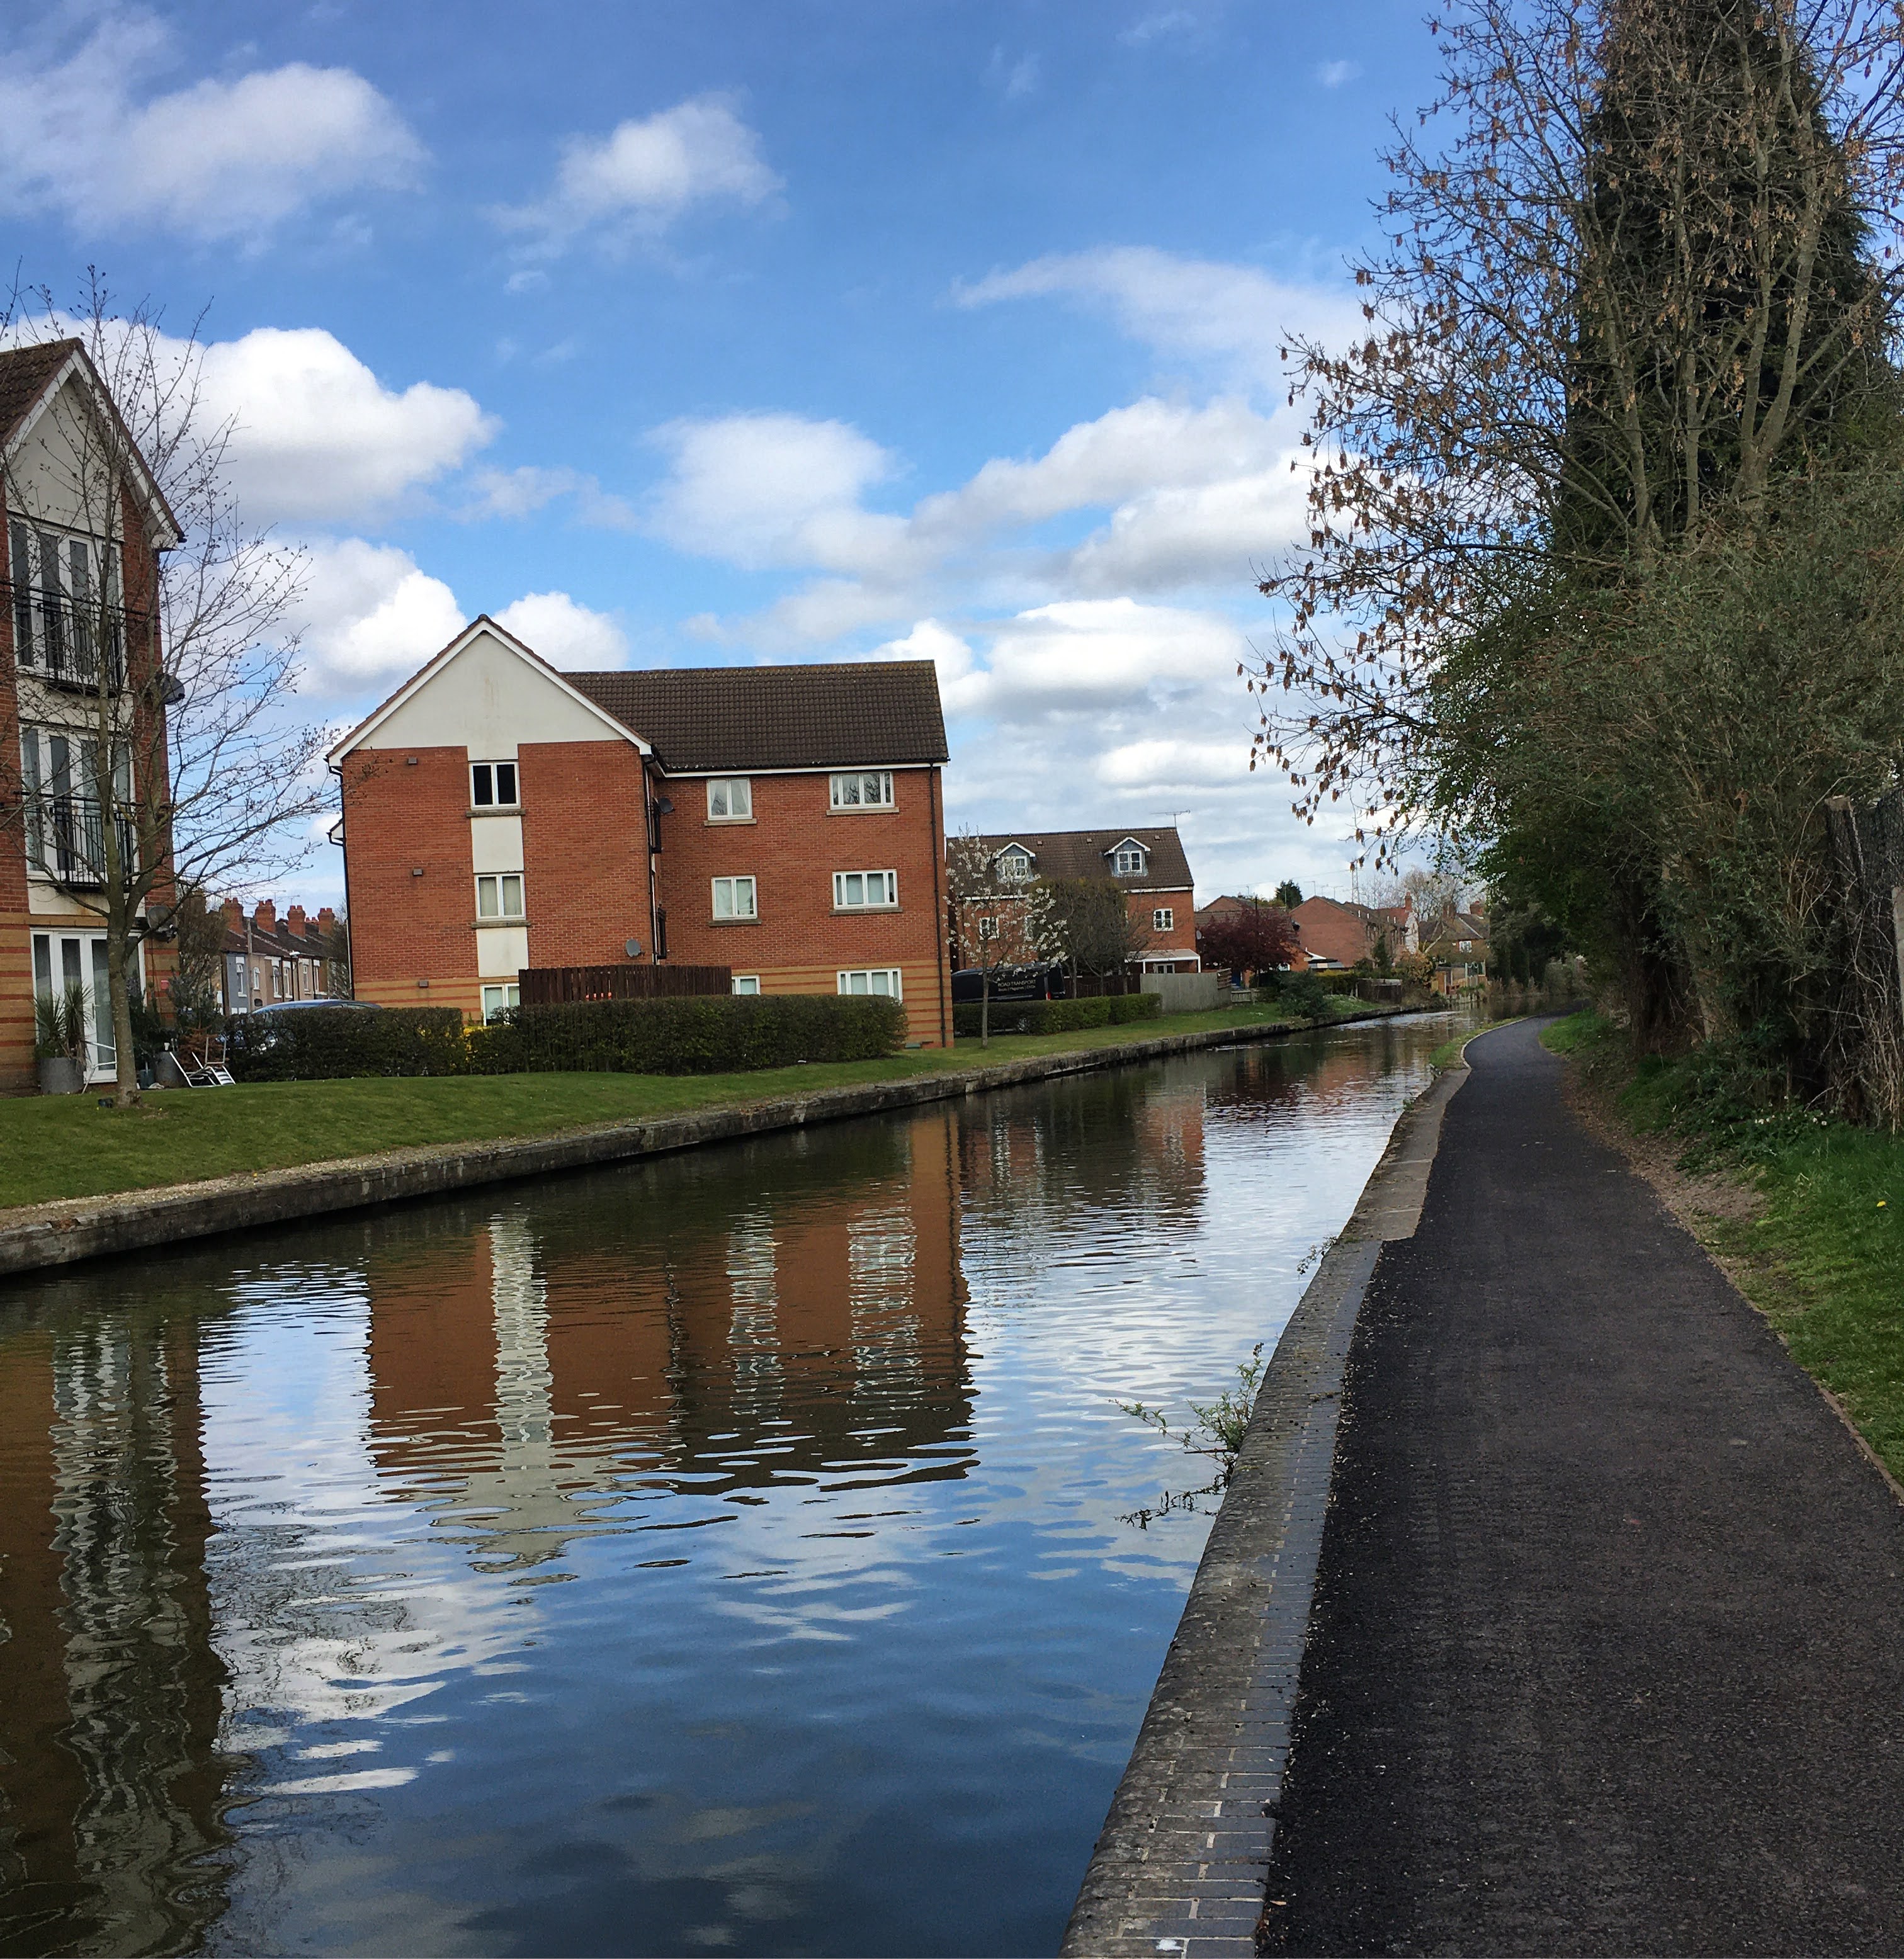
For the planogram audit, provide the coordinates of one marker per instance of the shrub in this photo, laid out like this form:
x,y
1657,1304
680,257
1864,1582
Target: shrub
x,y
1308,994
696,1034
329,1044
1053,1016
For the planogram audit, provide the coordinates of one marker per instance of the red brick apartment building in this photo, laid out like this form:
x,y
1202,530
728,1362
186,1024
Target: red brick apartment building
x,y
786,822
73,570
1148,865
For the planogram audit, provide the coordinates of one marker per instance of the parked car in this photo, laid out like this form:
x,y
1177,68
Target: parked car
x,y
1044,981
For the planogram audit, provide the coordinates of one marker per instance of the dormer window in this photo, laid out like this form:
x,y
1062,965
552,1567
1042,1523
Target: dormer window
x,y
1129,861
1014,866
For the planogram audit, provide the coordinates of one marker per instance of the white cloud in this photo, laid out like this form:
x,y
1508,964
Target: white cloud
x,y
640,177
564,634
1163,25
1212,534
523,491
1014,79
317,436
1149,445
1232,318
218,159
371,617
1175,764
765,489
958,683
1333,74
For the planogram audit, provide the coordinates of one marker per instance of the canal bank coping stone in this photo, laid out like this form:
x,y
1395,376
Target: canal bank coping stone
x,y
1181,1864
35,1237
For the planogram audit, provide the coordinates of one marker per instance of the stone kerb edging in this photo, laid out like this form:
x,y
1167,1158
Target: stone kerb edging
x,y
33,1238
1180,1866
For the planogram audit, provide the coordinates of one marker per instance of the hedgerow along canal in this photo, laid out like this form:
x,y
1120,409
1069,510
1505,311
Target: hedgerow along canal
x,y
743,1552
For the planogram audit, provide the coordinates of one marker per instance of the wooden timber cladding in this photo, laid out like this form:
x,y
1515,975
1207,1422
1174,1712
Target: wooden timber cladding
x,y
547,985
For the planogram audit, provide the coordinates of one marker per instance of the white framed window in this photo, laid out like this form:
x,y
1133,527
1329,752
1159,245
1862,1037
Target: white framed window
x,y
730,799
492,785
747,985
1128,862
884,980
1014,865
497,1000
1163,919
66,592
734,898
868,789
865,890
499,896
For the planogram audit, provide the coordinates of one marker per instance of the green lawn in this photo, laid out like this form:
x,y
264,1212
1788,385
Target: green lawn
x,y
1824,1261
67,1146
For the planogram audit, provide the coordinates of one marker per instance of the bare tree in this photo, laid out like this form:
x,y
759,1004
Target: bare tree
x,y
160,754
1000,921
1635,280
1093,927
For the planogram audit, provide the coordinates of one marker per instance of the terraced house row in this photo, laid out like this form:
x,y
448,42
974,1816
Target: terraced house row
x,y
786,822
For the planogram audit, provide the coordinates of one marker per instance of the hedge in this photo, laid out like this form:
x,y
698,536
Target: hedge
x,y
703,1034
328,1043
695,1035
1057,1017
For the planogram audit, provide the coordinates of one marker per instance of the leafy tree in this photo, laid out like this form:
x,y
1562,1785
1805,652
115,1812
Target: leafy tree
x,y
1626,342
1257,939
1288,894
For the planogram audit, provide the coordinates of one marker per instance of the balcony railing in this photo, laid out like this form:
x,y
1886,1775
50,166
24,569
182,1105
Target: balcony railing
x,y
66,840
63,638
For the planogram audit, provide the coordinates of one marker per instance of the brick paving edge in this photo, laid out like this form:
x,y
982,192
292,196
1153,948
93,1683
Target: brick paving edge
x,y
1181,1864
39,1237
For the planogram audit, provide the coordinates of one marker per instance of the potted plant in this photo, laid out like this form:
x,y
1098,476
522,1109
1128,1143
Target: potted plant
x,y
59,1040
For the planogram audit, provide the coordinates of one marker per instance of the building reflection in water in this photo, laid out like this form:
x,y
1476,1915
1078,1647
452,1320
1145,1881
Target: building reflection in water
x,y
565,1368
611,1563
110,1688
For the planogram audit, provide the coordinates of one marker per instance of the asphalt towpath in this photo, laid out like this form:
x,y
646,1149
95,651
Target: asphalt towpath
x,y
1606,1653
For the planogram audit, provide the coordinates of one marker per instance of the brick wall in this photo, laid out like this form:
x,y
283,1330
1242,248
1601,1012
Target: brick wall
x,y
585,851
791,848
399,818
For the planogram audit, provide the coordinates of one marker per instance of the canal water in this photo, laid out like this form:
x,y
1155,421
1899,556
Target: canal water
x,y
740,1553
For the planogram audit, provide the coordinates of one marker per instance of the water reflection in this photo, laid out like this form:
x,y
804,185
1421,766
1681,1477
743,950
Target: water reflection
x,y
721,1554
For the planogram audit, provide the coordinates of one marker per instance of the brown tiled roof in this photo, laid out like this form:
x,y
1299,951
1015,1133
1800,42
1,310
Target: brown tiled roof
x,y
1086,853
24,374
755,718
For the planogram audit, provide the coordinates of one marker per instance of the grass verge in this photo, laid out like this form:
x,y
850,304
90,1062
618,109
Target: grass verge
x,y
1822,1259
66,1146
1448,1055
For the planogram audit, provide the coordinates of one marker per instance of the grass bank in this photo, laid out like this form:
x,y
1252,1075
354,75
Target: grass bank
x,y
1823,1257
66,1146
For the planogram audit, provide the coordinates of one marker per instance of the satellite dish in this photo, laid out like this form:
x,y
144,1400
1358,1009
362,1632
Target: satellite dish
x,y
633,948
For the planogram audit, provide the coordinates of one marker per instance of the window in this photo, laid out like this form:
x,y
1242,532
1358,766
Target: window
x,y
747,984
734,898
1164,920
856,891
499,896
731,801
65,593
881,980
1014,866
1130,861
492,785
497,1000
871,790
65,823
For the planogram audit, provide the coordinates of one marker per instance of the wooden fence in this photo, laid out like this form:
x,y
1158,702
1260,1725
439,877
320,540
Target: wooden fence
x,y
549,985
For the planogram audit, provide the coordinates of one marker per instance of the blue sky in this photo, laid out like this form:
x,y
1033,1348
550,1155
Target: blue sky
x,y
687,335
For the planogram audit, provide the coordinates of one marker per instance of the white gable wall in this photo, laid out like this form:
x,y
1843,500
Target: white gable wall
x,y
488,700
